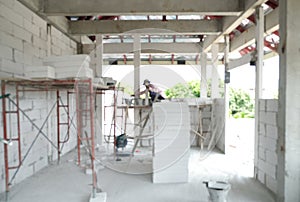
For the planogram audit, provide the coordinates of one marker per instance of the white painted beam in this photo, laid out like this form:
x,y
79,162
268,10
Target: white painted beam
x,y
215,90
123,48
205,27
247,38
141,7
203,84
230,23
245,59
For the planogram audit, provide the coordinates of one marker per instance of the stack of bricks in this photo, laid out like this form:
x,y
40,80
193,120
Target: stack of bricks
x,y
267,150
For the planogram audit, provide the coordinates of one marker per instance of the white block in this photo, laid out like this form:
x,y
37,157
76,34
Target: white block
x,y
11,41
11,67
56,33
38,42
262,129
6,52
271,144
87,73
38,21
67,58
18,56
43,33
272,105
11,15
6,25
21,33
271,184
8,3
272,131
55,51
268,118
261,176
271,157
261,153
22,10
267,168
262,105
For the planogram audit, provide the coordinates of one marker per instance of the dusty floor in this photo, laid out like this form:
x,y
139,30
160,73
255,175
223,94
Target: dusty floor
x,y
67,182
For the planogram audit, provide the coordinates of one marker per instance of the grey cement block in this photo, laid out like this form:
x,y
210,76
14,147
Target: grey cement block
x,y
262,105
271,157
272,105
261,176
262,153
272,131
5,25
271,184
11,15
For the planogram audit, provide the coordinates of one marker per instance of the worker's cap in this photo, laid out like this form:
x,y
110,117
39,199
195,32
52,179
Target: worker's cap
x,y
146,81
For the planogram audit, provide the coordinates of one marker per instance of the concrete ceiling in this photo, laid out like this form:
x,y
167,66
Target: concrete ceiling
x,y
217,19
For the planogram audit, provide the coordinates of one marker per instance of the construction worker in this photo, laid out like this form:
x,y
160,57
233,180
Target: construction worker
x,y
154,92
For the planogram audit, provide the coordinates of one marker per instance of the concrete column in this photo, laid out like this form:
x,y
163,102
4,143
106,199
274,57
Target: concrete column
x,y
226,90
215,91
137,62
203,84
288,173
137,65
99,98
258,78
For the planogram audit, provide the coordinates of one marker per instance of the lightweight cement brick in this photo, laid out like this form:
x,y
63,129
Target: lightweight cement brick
x,y
267,168
271,184
262,129
18,56
22,10
272,105
40,43
8,3
11,15
38,21
261,176
272,131
271,157
43,33
35,30
56,33
27,59
6,52
73,44
6,25
37,60
270,144
21,33
11,67
262,105
13,42
268,118
262,153
55,50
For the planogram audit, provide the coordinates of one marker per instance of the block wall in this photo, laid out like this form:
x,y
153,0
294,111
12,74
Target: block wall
x,y
25,39
267,143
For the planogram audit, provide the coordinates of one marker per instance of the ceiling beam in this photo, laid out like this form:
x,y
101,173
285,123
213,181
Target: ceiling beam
x,y
207,27
247,38
151,48
142,7
230,23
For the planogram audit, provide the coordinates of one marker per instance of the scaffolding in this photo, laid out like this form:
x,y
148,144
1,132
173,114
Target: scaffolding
x,y
85,92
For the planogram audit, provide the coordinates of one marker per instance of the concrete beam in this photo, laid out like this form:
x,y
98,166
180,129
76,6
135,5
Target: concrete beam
x,y
230,23
123,48
204,27
247,38
142,7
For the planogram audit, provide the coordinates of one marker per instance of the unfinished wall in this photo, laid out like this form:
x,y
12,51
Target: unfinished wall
x,y
25,39
268,136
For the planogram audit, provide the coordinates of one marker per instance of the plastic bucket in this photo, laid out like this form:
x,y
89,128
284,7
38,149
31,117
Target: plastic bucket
x,y
218,190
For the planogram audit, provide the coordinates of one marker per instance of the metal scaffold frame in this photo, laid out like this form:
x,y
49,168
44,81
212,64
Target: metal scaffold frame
x,y
72,87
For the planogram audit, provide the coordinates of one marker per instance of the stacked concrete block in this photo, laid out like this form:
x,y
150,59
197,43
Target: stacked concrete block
x,y
70,66
267,143
40,72
171,142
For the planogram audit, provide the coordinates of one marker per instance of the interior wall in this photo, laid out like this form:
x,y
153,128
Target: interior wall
x,y
218,123
25,39
268,137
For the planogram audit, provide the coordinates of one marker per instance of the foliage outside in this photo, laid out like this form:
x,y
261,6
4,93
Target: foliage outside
x,y
240,104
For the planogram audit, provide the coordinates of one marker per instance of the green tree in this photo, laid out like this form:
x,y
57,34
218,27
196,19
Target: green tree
x,y
240,104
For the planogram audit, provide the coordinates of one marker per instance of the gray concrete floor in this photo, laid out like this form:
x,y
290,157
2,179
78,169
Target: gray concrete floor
x,y
67,182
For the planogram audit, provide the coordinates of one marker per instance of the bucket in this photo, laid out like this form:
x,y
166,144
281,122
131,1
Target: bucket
x,y
217,190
